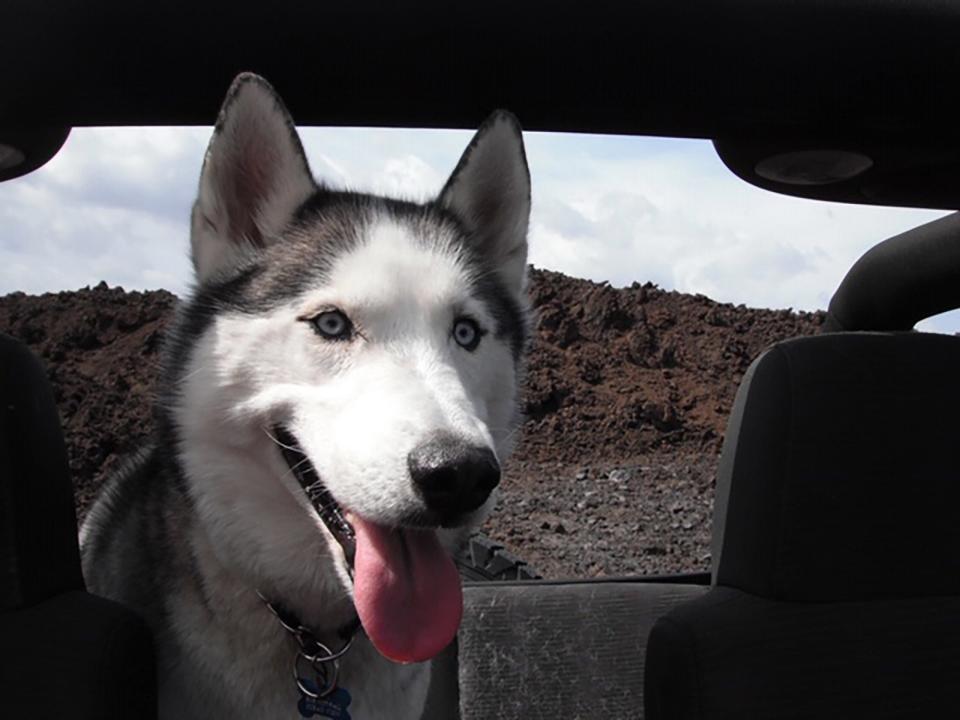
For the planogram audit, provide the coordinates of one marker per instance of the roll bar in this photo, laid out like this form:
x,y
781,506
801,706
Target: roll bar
x,y
901,281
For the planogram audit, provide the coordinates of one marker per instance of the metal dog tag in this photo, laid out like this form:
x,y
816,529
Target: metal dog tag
x,y
329,707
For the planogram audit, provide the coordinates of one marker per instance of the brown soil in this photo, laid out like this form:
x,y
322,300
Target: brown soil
x,y
627,394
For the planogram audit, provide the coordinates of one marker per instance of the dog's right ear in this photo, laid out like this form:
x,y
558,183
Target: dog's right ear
x,y
254,177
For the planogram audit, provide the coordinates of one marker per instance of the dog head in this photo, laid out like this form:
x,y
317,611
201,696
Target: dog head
x,y
385,336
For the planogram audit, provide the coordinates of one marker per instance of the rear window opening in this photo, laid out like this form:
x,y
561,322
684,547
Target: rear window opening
x,y
653,263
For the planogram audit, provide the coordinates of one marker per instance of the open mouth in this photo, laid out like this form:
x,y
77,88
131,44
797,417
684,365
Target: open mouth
x,y
406,587
318,494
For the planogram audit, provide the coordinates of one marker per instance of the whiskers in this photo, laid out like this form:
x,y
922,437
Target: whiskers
x,y
291,469
512,432
277,441
316,492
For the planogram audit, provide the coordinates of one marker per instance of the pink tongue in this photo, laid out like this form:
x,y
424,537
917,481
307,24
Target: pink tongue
x,y
406,590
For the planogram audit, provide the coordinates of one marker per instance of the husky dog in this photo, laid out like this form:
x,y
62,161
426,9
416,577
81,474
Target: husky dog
x,y
337,395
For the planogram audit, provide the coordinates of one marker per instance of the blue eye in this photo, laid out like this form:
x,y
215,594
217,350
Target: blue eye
x,y
467,333
333,325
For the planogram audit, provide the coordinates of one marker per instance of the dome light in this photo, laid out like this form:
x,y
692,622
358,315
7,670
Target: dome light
x,y
10,157
813,167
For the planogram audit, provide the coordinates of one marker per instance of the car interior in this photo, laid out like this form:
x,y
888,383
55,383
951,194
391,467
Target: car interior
x,y
834,590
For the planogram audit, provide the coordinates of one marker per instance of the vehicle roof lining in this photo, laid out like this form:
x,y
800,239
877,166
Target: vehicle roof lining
x,y
712,70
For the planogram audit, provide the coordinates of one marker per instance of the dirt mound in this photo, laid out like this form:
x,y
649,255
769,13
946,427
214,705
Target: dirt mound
x,y
101,349
626,398
617,373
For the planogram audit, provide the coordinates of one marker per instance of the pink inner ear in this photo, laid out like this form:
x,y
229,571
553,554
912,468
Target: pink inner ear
x,y
248,179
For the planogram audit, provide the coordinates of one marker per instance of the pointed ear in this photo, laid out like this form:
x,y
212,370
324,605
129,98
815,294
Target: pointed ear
x,y
490,192
254,178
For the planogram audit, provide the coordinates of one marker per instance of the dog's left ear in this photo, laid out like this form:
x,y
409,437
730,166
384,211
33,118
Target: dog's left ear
x,y
490,192
254,177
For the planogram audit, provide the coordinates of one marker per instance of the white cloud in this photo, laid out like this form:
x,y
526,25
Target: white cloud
x,y
668,211
114,205
408,177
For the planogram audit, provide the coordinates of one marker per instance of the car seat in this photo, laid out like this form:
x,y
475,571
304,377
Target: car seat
x,y
65,653
836,558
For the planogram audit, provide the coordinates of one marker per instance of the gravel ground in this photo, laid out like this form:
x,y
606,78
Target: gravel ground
x,y
649,516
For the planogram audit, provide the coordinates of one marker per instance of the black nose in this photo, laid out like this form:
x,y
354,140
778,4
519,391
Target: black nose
x,y
451,476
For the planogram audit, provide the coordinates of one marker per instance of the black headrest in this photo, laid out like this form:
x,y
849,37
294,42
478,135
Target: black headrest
x,y
39,557
840,473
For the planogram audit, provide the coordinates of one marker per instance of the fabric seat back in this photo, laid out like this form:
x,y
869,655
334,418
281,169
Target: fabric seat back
x,y
836,571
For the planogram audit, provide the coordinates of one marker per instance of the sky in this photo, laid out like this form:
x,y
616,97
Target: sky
x,y
114,204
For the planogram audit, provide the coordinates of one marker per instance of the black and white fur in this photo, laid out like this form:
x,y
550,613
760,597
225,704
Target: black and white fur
x,y
210,513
